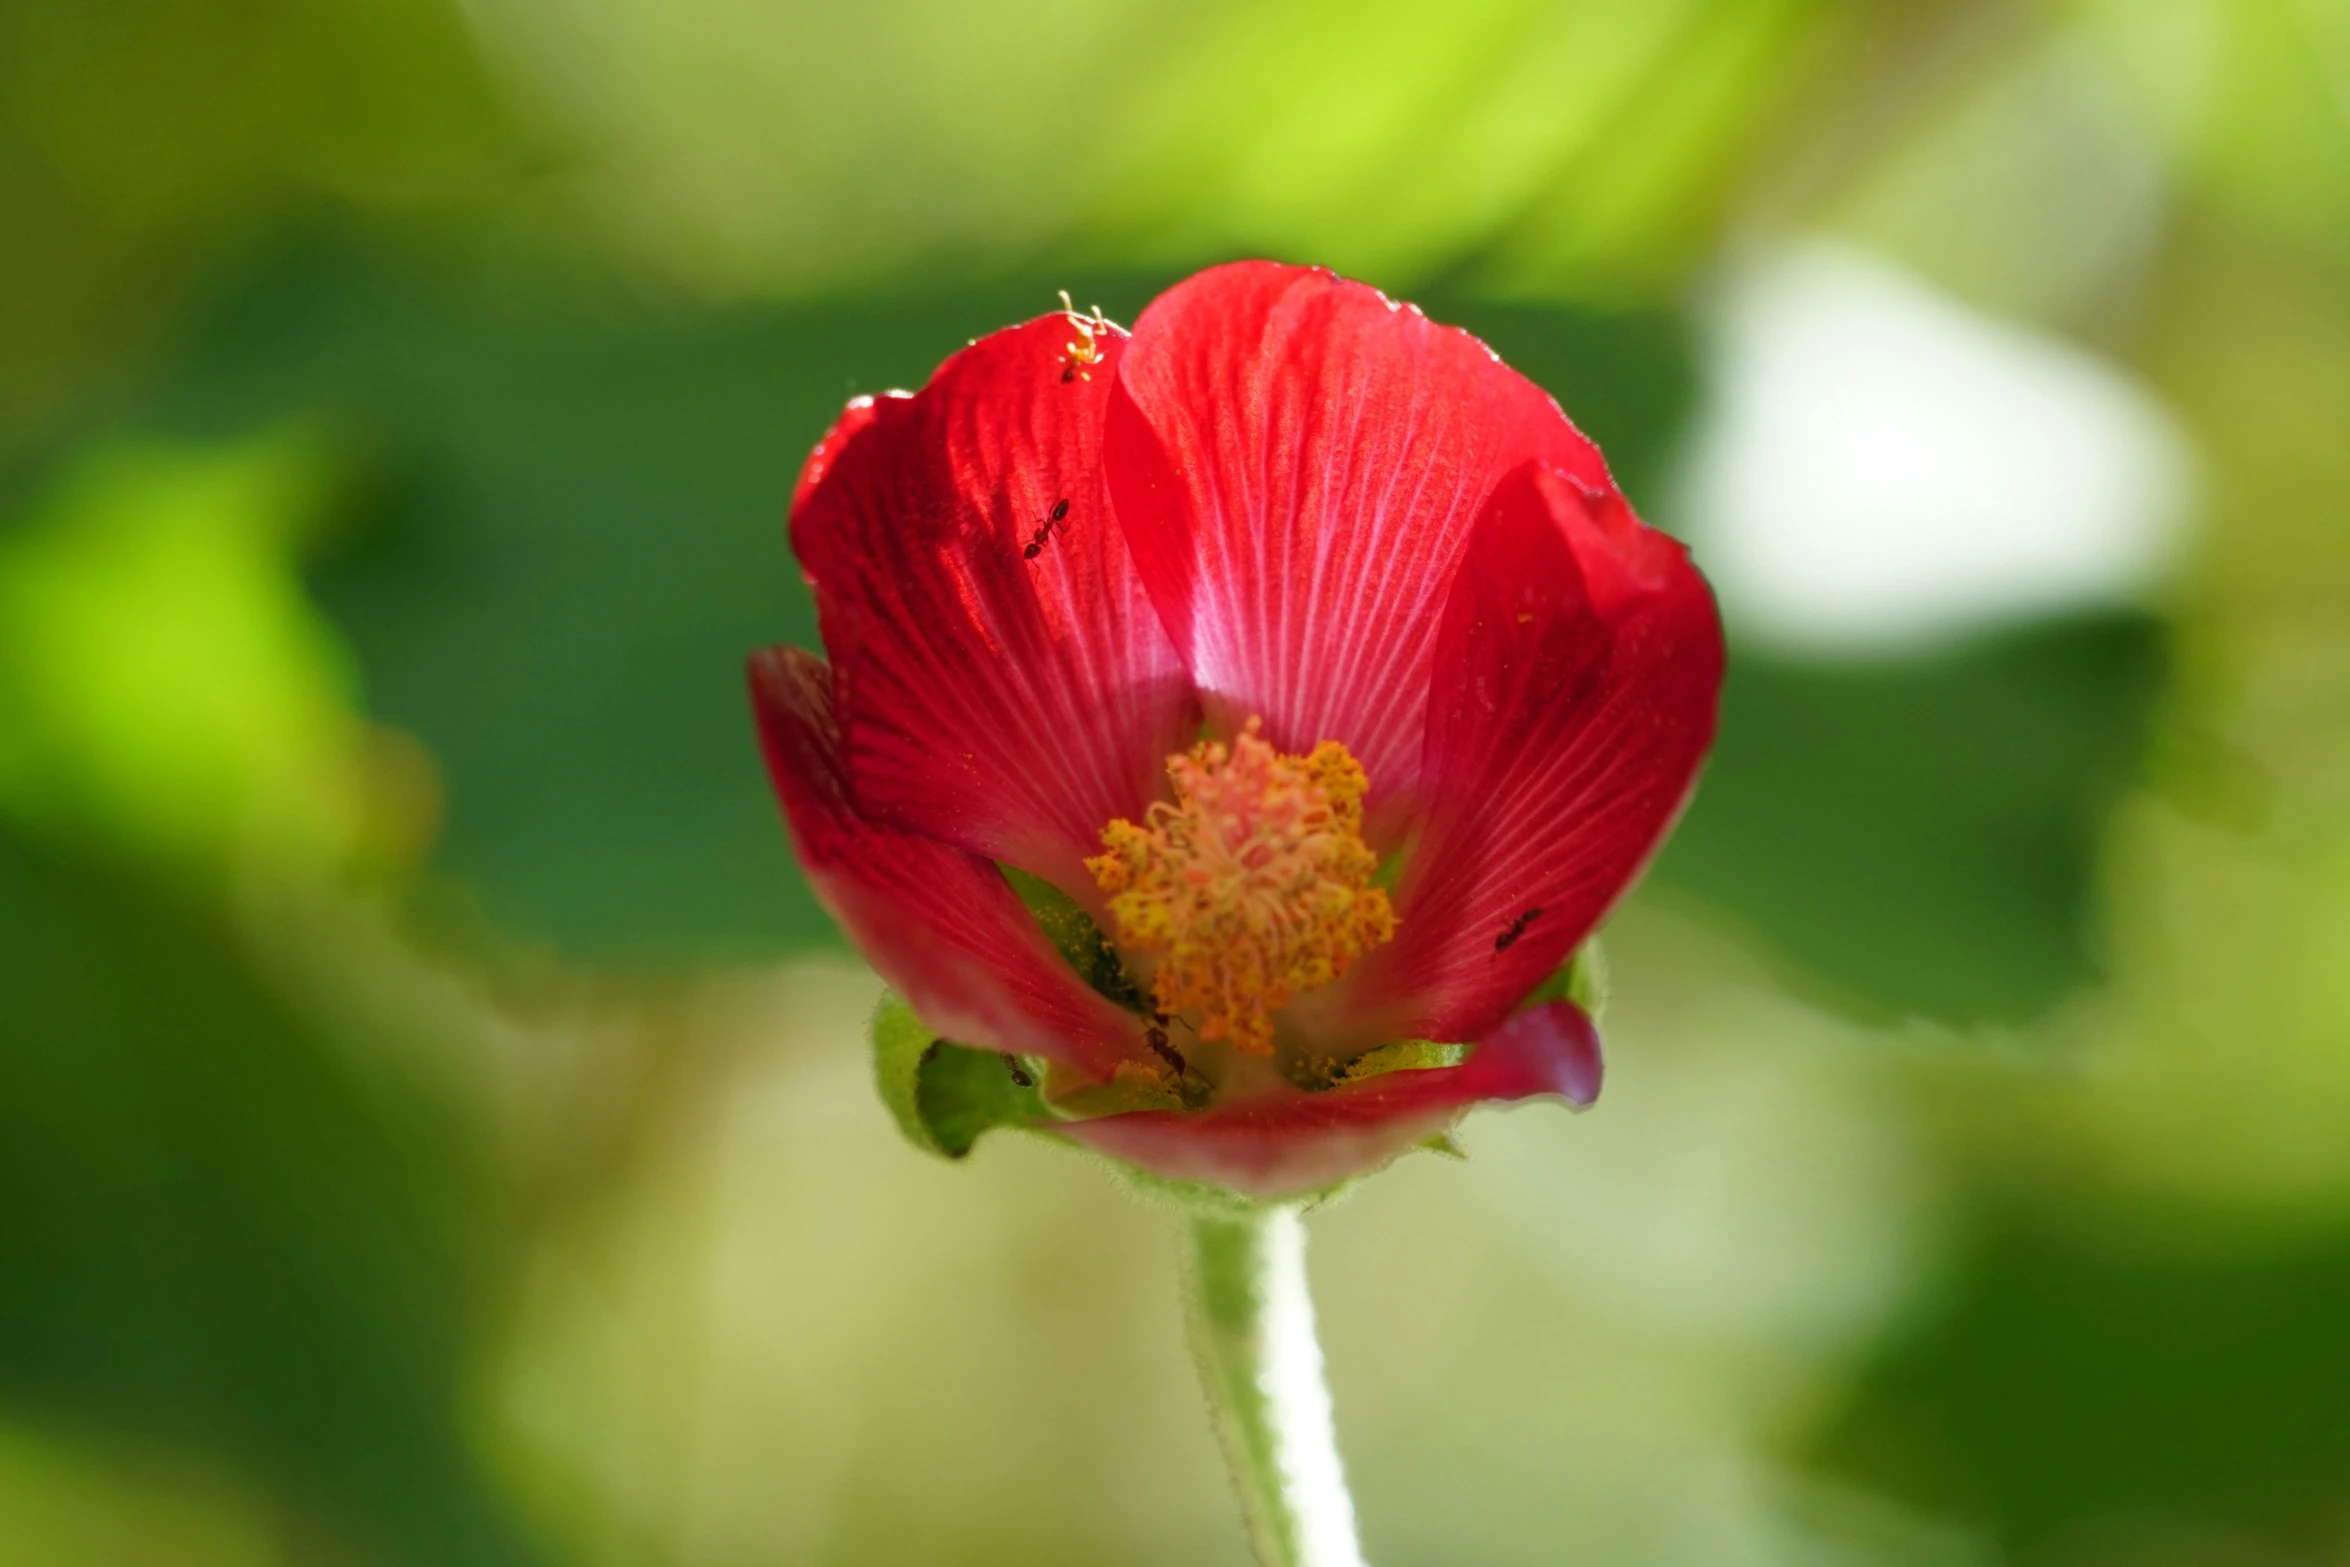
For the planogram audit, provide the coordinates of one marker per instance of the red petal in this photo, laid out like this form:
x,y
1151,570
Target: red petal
x,y
1296,462
1274,1148
1003,681
1578,672
939,923
860,412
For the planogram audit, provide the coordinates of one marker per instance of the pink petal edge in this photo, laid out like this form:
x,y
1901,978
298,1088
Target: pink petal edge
x,y
1284,1147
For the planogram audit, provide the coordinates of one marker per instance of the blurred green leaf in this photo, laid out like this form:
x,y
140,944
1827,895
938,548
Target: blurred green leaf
x,y
2065,1388
68,1503
2247,95
128,175
216,1228
943,1095
1568,147
165,685
1923,836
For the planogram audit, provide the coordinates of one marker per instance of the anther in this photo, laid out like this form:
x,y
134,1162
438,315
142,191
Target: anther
x,y
1254,884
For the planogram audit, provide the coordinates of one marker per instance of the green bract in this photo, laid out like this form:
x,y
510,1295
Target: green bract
x,y
945,1095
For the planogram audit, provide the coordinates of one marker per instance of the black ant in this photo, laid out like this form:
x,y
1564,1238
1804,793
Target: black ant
x,y
1020,1077
1508,938
1043,535
1156,1037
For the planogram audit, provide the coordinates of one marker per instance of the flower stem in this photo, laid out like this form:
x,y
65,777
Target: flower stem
x,y
1252,1331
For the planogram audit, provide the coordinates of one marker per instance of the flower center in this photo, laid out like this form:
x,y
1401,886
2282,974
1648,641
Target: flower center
x,y
1254,884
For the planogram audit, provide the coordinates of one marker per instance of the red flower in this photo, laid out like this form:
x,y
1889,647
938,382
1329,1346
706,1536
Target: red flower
x,y
1453,695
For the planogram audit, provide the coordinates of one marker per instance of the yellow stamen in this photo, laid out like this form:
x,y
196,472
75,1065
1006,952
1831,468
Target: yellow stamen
x,y
1254,883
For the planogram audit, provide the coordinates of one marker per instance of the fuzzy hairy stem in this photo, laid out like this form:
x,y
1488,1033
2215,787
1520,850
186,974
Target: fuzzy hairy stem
x,y
1252,1332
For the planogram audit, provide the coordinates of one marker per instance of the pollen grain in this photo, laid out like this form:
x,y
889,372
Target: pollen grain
x,y
1254,884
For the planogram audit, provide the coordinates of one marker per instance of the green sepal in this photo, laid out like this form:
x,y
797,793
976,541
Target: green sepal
x,y
1582,979
944,1095
1204,1199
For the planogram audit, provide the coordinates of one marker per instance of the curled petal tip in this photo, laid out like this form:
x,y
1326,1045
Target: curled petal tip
x,y
1556,1043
